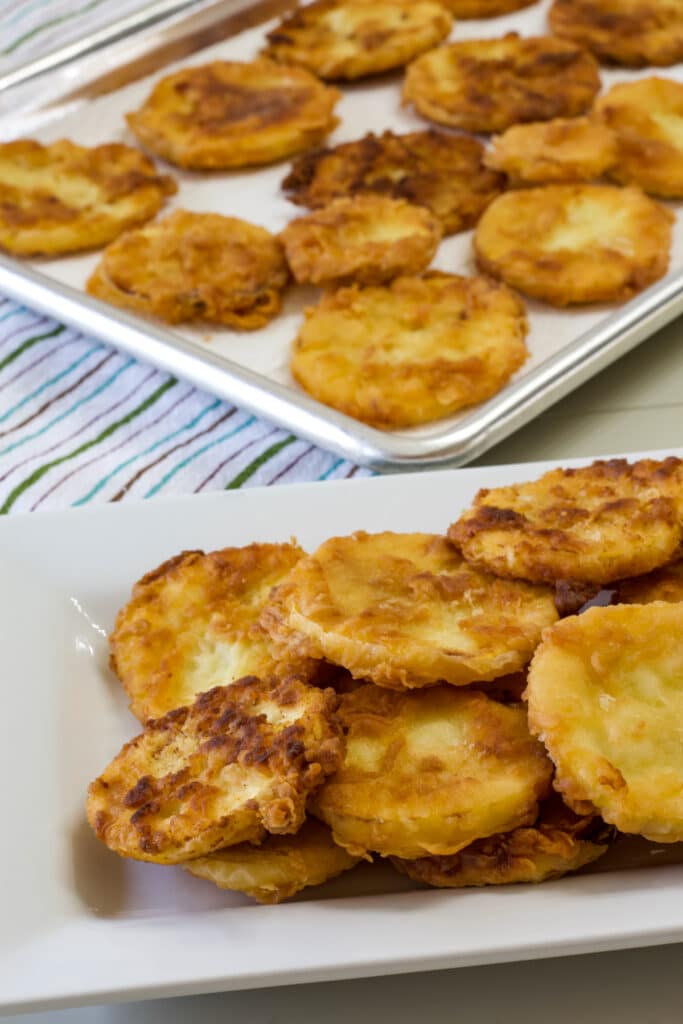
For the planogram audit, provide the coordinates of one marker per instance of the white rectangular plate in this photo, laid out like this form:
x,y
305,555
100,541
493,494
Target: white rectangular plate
x,y
79,924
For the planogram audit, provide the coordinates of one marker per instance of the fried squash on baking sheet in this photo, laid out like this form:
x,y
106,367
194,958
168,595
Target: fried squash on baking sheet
x,y
595,524
192,624
279,867
195,267
605,693
367,239
634,33
355,38
551,152
646,118
405,611
486,85
238,763
230,114
443,172
415,350
65,198
430,772
575,244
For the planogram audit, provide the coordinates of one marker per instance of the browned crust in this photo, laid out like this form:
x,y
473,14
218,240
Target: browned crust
x,y
634,33
484,8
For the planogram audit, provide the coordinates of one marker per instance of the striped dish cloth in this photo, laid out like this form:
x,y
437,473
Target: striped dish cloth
x,y
80,422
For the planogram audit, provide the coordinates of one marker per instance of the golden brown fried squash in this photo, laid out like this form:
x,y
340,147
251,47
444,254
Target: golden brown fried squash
x,y
405,610
484,8
414,351
280,867
430,772
354,38
605,693
595,524
368,239
630,32
239,762
646,118
195,266
224,114
572,244
192,624
443,172
557,843
665,584
65,198
486,85
549,152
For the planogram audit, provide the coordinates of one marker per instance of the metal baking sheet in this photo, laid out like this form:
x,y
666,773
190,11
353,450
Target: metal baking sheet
x,y
86,101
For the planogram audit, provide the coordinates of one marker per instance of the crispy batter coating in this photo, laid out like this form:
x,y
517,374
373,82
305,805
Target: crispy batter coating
x,y
239,762
665,584
646,117
605,694
195,266
595,524
66,198
192,624
354,38
280,867
484,8
443,172
486,85
224,114
430,772
572,244
631,32
557,843
368,239
548,152
414,351
405,610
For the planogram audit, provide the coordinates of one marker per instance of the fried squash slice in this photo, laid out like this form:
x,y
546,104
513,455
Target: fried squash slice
x,y
665,584
595,524
443,172
613,727
415,350
230,114
575,244
279,867
486,85
238,763
355,38
484,8
195,267
192,624
368,239
429,773
405,611
65,198
646,117
552,152
635,33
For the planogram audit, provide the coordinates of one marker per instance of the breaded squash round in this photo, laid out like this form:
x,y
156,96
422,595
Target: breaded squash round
x,y
595,524
195,266
605,694
484,8
573,244
486,85
443,172
548,152
239,762
665,584
413,351
368,239
646,118
430,772
229,114
192,624
355,38
66,198
280,867
634,33
559,842
405,610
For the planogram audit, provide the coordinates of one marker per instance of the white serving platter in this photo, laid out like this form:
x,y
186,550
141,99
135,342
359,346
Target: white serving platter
x,y
81,925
